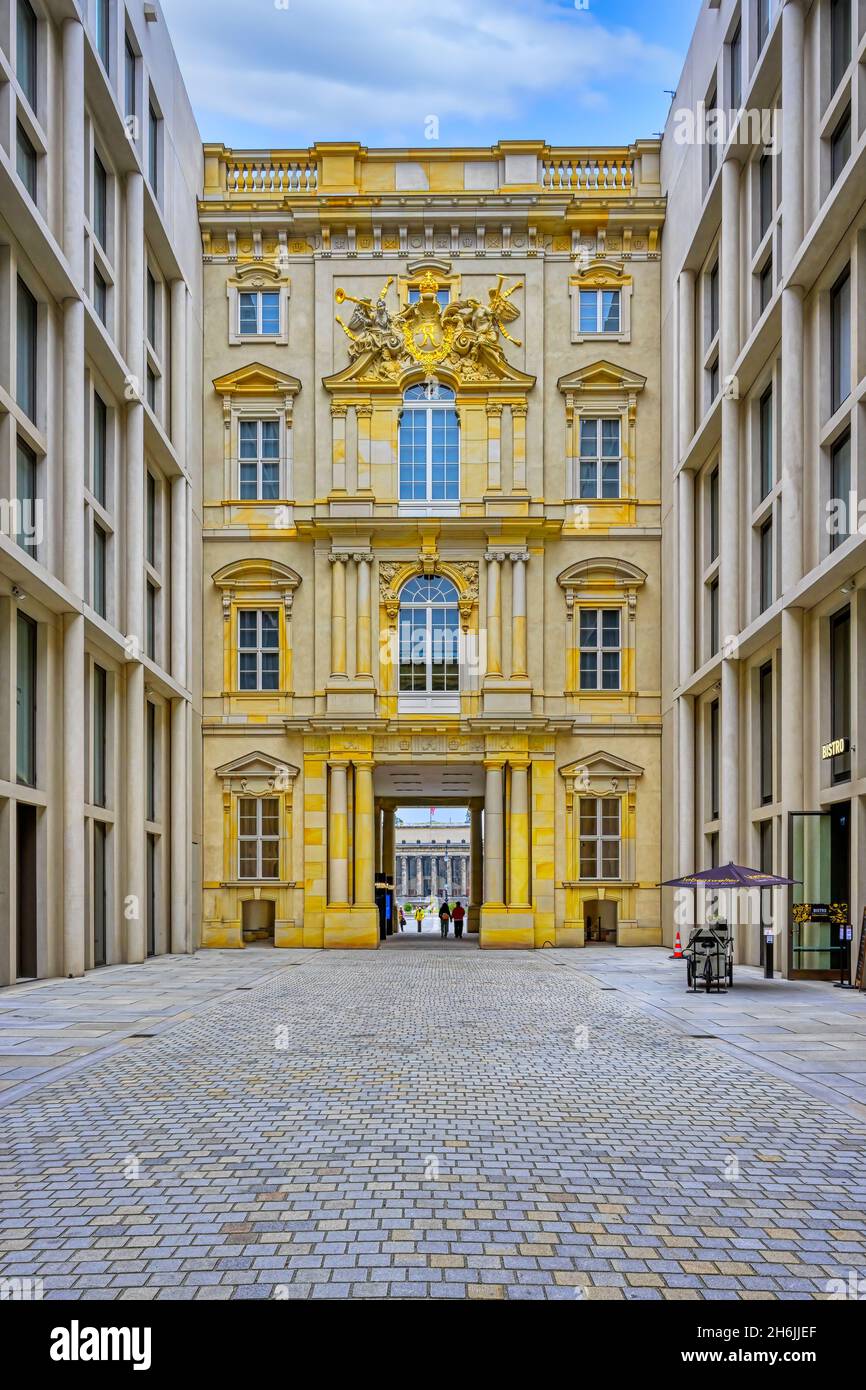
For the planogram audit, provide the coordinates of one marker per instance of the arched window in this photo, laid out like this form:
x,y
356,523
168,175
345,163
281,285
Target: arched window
x,y
429,449
429,643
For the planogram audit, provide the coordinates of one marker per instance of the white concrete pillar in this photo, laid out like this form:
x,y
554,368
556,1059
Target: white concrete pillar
x,y
73,170
179,829
729,481
686,364
73,446
179,578
494,880
791,435
793,162
790,706
686,784
179,369
685,597
729,754
74,915
133,782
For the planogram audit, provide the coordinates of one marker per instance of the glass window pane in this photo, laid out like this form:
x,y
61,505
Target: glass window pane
x,y
610,859
610,438
271,312
610,671
610,627
589,480
588,311
248,440
588,438
270,439
588,815
610,310
588,627
610,807
588,671
248,313
587,859
270,628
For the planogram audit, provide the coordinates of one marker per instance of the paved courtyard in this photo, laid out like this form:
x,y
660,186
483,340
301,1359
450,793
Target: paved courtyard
x,y
430,1122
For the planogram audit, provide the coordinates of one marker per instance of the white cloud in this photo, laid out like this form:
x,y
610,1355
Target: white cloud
x,y
375,69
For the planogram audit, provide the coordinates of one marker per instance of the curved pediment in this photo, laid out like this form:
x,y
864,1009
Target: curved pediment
x,y
259,574
604,571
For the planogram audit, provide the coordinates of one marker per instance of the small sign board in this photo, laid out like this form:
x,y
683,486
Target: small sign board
x,y
835,748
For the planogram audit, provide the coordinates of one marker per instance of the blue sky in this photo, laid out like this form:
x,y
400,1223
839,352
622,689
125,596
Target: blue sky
x,y
285,73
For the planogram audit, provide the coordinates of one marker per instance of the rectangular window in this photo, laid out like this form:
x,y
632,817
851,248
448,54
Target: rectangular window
x,y
840,689
714,616
100,295
712,136
100,890
840,40
713,303
100,449
150,620
765,192
840,489
25,381
714,760
258,837
600,458
151,518
600,649
129,84
766,547
765,442
763,18
713,490
100,733
151,754
599,311
258,649
766,284
103,32
713,381
840,340
765,731
259,313
26,51
735,53
151,388
100,549
100,201
25,160
25,727
259,459
153,150
600,833
25,480
840,145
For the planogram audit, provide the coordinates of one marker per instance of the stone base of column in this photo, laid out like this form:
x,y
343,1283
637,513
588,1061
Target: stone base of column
x,y
351,928
571,933
473,918
507,928
504,696
355,697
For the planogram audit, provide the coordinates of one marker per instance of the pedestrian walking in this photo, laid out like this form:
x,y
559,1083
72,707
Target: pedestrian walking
x,y
457,916
444,917
419,915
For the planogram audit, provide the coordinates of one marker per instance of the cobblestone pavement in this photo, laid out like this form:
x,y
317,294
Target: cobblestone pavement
x,y
424,1123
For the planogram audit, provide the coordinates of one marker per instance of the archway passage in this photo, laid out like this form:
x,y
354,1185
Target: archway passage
x,y
600,921
429,851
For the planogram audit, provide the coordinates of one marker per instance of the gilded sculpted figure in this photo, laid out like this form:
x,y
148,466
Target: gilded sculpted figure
x,y
466,332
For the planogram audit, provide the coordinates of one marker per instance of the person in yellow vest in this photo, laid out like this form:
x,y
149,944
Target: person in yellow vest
x,y
419,915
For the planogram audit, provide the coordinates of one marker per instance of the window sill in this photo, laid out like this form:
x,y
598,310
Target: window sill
x,y
428,704
428,509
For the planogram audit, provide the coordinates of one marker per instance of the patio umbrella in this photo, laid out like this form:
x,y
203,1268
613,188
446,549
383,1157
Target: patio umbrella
x,y
729,876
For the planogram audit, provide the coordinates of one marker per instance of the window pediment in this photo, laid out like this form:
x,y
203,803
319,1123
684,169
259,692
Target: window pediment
x,y
257,380
256,774
602,378
602,575
601,772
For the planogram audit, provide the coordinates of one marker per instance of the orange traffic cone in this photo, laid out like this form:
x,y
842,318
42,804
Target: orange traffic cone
x,y
678,948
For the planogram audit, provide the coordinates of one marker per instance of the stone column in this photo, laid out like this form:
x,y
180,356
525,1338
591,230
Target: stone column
x,y
338,447
729,511
494,446
790,744
494,891
134,780
179,595
404,875
791,415
686,375
793,29
464,877
135,886
494,613
518,613
364,629
178,369
518,446
73,170
338,837
476,870
365,894
729,754
364,415
419,876
518,836
74,918
180,943
388,841
338,614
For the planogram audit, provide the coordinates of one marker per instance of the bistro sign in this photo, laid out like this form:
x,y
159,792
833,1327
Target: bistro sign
x,y
835,748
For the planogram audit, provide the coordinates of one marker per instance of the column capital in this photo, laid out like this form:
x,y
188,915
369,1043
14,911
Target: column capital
x,y
515,555
495,557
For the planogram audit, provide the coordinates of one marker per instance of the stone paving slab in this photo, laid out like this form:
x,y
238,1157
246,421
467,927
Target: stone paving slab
x,y
422,1123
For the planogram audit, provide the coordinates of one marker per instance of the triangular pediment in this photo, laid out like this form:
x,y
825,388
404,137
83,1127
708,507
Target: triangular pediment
x,y
602,376
255,379
257,765
602,764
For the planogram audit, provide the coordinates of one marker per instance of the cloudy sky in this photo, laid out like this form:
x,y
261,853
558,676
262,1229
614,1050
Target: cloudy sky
x,y
289,72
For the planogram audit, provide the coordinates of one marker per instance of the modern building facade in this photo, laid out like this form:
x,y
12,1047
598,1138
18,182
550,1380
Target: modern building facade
x,y
431,569
432,860
100,410
764,365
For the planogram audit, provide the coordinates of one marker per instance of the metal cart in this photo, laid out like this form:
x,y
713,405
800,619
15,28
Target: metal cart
x,y
710,958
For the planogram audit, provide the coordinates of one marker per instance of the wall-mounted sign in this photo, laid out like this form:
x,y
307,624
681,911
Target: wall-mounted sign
x,y
835,748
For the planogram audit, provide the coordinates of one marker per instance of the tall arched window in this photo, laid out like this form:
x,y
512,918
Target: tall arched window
x,y
429,449
429,644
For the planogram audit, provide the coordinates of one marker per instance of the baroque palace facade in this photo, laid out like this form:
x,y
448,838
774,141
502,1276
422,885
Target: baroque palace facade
x,y
431,534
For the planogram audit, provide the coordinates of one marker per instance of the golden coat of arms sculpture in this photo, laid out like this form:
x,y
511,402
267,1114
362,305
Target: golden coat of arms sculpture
x,y
465,334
